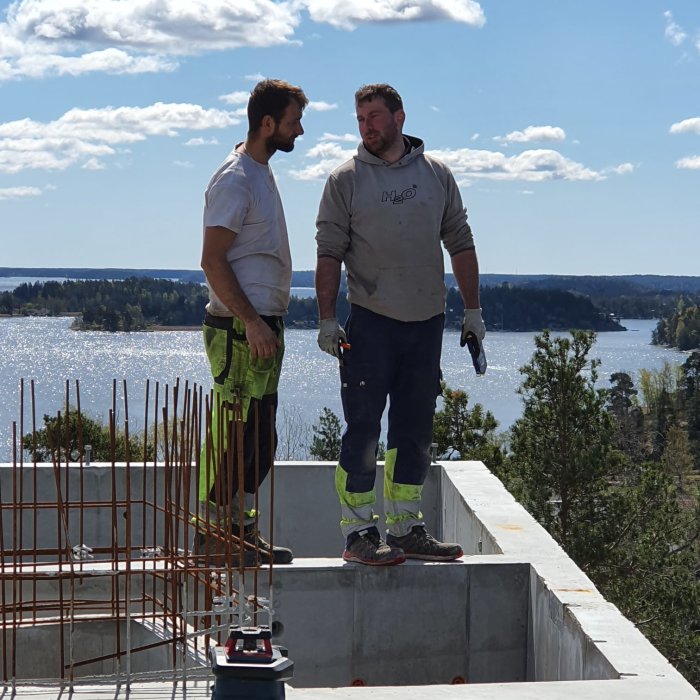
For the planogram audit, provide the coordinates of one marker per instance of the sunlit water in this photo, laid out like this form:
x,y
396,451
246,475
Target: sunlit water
x,y
49,352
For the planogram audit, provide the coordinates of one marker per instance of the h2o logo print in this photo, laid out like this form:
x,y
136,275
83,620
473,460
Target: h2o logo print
x,y
394,198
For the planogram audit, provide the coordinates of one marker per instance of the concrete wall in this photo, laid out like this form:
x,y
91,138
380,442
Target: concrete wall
x,y
416,624
37,647
306,509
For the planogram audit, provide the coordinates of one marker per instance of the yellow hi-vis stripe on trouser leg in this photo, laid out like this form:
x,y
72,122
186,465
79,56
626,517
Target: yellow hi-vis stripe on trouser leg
x,y
401,501
356,509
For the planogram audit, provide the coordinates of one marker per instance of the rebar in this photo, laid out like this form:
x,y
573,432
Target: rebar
x,y
114,548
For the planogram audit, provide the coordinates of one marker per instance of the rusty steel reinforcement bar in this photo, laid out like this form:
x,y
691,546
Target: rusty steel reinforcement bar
x,y
108,522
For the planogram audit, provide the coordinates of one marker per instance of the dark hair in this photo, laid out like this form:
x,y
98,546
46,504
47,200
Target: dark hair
x,y
271,97
391,98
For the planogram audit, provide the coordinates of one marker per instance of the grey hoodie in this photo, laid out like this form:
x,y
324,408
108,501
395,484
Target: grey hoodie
x,y
386,223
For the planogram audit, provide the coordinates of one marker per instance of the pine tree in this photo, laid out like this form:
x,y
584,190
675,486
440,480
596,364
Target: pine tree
x,y
464,433
562,446
325,444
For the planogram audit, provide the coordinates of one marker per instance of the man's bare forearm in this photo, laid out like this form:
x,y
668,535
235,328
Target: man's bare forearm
x,y
224,283
327,286
465,267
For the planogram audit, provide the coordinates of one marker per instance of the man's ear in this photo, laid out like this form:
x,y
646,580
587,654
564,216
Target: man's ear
x,y
400,117
267,125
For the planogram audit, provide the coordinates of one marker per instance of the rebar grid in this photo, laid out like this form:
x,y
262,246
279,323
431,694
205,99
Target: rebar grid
x,y
110,542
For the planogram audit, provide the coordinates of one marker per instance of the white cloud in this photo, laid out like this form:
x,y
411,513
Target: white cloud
x,y
330,155
93,164
348,14
47,37
468,165
321,106
19,192
202,142
72,37
673,32
183,163
434,108
240,97
347,138
621,169
534,133
530,166
689,163
112,60
255,77
81,136
687,126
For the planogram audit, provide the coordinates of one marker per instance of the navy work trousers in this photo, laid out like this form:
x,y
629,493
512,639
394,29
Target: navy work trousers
x,y
399,360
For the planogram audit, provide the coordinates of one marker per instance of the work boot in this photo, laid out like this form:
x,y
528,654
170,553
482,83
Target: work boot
x,y
418,544
367,547
212,549
280,555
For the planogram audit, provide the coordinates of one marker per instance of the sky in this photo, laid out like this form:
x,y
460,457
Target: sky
x,y
572,128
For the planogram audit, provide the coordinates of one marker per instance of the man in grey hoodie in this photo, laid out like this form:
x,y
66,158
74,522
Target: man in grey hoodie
x,y
385,214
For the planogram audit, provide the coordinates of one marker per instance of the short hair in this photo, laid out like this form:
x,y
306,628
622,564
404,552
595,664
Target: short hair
x,y
391,98
271,97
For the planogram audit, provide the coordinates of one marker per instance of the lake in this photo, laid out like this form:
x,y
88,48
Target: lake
x,y
48,351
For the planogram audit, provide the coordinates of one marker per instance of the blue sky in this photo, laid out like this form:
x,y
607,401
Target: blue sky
x,y
573,128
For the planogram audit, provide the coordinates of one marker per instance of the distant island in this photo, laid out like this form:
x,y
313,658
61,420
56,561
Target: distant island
x,y
117,299
591,285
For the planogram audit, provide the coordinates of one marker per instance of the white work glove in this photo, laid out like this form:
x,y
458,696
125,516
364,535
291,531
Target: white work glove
x,y
472,322
330,335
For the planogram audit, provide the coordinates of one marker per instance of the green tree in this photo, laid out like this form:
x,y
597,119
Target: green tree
x,y
325,443
661,401
466,433
677,459
64,438
326,434
562,447
651,566
628,419
690,392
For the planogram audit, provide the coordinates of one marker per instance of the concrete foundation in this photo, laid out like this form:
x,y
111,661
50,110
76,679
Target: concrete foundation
x,y
515,618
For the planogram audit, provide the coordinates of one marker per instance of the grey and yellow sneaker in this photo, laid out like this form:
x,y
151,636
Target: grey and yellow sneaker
x,y
418,544
367,547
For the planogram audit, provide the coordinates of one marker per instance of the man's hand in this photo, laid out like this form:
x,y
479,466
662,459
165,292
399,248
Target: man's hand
x,y
330,335
261,338
472,323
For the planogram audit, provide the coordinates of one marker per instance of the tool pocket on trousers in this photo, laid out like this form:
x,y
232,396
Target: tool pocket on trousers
x,y
259,374
218,346
356,392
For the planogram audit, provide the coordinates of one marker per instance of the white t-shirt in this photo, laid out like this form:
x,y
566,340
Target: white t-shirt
x,y
242,196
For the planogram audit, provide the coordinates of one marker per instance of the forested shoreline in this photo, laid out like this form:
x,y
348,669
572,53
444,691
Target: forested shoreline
x,y
679,328
142,303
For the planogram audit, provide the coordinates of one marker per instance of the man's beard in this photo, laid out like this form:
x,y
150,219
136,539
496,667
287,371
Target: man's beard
x,y
378,145
381,143
275,143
